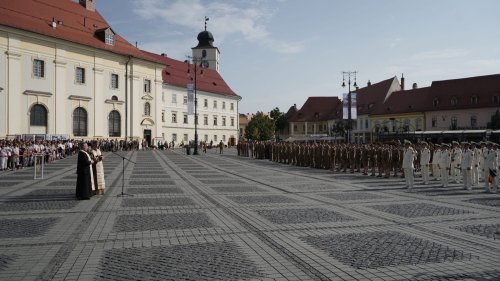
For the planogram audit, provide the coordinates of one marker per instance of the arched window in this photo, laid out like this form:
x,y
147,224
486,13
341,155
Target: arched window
x,y
114,124
454,100
114,98
80,122
38,115
147,109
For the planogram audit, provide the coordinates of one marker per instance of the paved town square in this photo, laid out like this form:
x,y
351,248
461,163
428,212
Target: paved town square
x,y
225,217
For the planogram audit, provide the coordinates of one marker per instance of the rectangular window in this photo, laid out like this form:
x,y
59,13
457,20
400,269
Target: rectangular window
x,y
206,138
205,103
232,106
215,120
223,137
185,137
163,116
147,86
232,121
215,104
454,123
185,99
185,118
174,137
223,105
473,121
215,137
114,81
174,98
38,68
174,117
434,122
223,121
80,75
205,120
109,38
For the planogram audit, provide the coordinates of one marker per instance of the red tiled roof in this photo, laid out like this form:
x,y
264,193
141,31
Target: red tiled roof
x,y
370,97
318,109
403,102
483,87
176,74
79,25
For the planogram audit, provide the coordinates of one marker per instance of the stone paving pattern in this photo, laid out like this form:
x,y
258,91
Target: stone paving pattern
x,y
224,217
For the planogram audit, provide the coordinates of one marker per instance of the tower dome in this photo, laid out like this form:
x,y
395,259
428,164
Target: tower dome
x,y
205,39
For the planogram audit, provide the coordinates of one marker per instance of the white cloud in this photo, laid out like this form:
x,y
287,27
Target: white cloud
x,y
227,19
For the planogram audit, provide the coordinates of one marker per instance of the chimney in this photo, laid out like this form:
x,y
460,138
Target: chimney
x,y
402,82
369,83
88,4
415,86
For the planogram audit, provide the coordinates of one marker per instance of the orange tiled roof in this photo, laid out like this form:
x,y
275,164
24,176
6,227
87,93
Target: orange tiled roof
x,y
371,97
318,109
79,25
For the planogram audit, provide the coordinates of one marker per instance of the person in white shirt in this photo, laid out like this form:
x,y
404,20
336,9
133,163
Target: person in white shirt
x,y
444,164
491,165
436,158
409,155
425,157
466,166
456,159
476,162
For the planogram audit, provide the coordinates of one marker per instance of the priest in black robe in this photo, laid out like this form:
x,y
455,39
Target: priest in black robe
x,y
84,174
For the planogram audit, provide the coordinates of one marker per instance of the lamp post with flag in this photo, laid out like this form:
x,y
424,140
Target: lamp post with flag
x,y
348,74
198,64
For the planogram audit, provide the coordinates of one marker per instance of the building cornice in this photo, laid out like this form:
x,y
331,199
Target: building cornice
x,y
80,98
37,93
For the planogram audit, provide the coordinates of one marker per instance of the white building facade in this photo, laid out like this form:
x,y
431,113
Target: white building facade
x,y
78,79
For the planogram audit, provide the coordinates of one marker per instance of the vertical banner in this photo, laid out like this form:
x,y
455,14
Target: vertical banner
x,y
190,100
354,107
345,106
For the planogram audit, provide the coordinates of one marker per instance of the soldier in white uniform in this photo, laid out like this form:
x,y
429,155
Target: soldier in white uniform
x,y
476,162
444,164
466,165
482,168
436,158
409,155
456,159
491,164
425,157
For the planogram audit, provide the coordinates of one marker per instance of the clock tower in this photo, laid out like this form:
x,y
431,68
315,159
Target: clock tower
x,y
205,51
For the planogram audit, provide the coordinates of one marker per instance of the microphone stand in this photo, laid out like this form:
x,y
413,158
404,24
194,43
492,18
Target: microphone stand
x,y
123,173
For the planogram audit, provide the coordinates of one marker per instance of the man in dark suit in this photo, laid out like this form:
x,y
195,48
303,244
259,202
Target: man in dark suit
x,y
84,174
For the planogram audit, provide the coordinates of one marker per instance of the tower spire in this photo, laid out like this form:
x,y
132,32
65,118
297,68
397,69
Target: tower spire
x,y
206,19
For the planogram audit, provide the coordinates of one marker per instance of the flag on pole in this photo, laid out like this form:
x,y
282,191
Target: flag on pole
x,y
190,98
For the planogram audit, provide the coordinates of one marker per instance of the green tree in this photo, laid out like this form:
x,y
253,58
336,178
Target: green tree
x,y
494,124
340,128
260,127
280,121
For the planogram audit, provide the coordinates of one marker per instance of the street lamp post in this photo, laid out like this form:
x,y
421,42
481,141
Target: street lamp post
x,y
195,63
349,117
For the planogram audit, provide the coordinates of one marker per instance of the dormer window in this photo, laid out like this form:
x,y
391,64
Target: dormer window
x,y
110,37
454,100
435,102
474,99
107,35
496,98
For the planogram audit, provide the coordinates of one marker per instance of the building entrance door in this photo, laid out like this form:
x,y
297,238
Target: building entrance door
x,y
147,137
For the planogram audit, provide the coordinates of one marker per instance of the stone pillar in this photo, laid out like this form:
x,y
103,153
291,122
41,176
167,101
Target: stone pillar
x,y
61,114
15,114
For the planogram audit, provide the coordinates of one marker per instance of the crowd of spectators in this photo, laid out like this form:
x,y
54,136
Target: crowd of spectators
x,y
18,154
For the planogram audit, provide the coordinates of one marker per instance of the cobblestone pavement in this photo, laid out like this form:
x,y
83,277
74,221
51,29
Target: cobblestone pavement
x,y
224,217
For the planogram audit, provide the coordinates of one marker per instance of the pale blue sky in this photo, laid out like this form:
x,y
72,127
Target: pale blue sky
x,y
279,52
